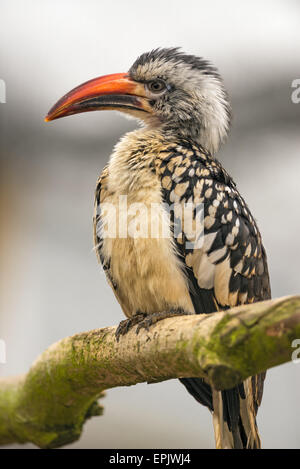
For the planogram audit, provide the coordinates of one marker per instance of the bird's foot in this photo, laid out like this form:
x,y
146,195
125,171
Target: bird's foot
x,y
127,324
151,319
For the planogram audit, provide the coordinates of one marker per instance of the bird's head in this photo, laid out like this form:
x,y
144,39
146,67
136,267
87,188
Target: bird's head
x,y
164,88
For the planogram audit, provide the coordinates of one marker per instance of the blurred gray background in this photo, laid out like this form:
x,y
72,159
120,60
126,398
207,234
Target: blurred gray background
x,y
51,285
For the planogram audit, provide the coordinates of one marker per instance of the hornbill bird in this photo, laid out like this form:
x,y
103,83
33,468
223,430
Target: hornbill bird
x,y
185,113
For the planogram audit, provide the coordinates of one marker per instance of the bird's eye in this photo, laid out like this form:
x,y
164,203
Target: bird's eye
x,y
156,86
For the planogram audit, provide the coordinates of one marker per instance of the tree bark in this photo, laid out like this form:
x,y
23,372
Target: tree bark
x,y
49,405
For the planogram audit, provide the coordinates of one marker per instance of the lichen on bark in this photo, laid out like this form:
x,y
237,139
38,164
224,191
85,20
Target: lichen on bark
x,y
49,405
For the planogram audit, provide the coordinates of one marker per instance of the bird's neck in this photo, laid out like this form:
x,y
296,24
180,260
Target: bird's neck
x,y
209,133
138,150
208,140
158,133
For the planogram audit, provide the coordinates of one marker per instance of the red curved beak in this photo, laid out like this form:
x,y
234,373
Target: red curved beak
x,y
116,91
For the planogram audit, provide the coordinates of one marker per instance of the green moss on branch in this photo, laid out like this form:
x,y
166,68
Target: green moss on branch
x,y
49,405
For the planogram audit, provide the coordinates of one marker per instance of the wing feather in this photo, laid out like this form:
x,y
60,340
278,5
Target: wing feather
x,y
229,268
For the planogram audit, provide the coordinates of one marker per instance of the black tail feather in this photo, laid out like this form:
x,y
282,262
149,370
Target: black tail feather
x,y
231,402
200,390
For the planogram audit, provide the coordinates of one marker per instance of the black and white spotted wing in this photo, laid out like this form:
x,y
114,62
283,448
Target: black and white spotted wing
x,y
230,268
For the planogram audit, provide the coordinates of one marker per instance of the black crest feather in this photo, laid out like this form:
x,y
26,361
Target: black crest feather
x,y
175,55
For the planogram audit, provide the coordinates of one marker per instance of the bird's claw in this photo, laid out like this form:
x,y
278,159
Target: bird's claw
x,y
144,321
127,324
153,318
144,324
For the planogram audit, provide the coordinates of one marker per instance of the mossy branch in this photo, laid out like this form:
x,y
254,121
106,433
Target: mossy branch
x,y
49,405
